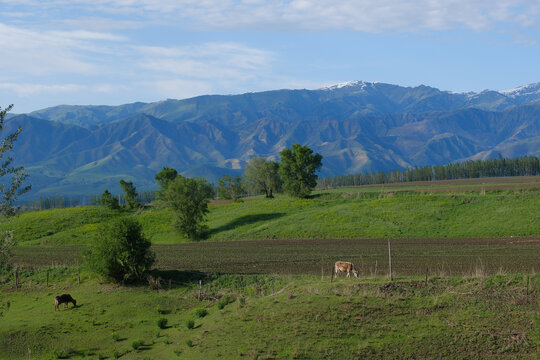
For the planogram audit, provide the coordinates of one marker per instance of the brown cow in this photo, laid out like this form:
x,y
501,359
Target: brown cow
x,y
345,266
64,299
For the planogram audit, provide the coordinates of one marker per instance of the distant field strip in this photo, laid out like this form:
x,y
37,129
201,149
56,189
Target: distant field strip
x,y
439,257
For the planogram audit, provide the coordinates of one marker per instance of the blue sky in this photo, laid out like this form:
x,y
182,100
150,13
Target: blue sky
x,y
121,51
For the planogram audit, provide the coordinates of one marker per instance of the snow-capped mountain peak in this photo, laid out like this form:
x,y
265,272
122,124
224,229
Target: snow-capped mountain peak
x,y
526,90
355,83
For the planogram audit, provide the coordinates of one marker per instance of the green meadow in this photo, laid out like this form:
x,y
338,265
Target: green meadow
x,y
465,262
328,215
272,317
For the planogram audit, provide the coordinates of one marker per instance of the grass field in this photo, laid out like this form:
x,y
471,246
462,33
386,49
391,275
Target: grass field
x,y
273,317
267,291
399,212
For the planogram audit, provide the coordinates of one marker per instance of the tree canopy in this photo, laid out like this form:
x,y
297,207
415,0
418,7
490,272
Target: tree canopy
x,y
188,198
230,188
130,193
121,252
11,187
261,176
108,200
297,170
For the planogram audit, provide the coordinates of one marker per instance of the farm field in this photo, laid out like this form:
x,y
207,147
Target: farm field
x,y
272,317
466,257
442,257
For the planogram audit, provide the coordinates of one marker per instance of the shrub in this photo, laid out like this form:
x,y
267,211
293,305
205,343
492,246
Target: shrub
x,y
200,313
121,252
115,336
189,343
136,345
190,324
223,302
161,323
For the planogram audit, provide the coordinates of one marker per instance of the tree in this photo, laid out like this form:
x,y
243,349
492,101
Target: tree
x,y
108,200
121,252
164,177
230,188
261,176
10,192
130,193
188,198
297,169
11,187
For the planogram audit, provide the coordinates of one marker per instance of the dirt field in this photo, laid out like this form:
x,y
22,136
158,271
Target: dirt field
x,y
410,256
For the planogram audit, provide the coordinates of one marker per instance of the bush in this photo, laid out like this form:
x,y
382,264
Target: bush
x,y
121,252
190,324
200,313
115,336
161,323
136,345
189,343
223,302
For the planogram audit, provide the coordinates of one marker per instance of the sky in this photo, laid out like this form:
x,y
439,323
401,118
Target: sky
x,y
111,52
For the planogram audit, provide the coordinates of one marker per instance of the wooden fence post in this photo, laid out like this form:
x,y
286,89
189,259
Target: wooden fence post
x,y
427,269
390,259
79,275
47,277
200,290
376,268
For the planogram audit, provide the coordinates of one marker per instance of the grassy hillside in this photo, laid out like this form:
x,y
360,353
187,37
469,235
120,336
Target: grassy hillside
x,y
273,317
345,213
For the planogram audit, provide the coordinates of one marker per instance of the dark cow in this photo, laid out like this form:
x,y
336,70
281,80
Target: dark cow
x,y
345,266
64,299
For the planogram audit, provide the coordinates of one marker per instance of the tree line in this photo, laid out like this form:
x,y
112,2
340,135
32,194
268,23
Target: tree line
x,y
62,202
497,167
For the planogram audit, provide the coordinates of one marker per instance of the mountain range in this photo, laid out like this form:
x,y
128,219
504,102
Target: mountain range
x,y
356,126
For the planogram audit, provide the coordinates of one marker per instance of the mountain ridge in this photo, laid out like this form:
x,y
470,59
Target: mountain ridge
x,y
357,126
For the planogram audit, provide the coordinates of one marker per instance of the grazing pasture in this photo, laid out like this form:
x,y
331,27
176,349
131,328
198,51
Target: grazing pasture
x,y
466,256
397,212
273,317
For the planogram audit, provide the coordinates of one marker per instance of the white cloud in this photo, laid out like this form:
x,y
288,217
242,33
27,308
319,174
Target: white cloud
x,y
315,15
206,61
27,89
359,15
45,52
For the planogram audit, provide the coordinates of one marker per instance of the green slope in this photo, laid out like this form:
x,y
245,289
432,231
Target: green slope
x,y
344,213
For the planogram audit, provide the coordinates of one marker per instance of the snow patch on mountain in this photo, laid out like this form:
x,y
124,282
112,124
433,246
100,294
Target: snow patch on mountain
x,y
526,90
355,83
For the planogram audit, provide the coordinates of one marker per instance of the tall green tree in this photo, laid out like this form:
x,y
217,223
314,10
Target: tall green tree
x,y
11,187
188,198
108,200
130,193
230,187
261,176
164,178
11,177
297,170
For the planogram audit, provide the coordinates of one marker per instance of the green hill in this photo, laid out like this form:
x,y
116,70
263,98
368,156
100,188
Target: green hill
x,y
336,214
